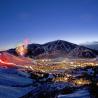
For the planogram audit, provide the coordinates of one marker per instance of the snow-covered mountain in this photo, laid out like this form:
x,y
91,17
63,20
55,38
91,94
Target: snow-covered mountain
x,y
59,45
82,52
53,47
58,48
93,45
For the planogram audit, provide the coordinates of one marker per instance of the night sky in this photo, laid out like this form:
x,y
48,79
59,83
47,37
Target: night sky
x,y
42,21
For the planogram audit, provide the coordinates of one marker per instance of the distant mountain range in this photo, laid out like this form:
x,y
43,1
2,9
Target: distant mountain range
x,y
93,45
58,48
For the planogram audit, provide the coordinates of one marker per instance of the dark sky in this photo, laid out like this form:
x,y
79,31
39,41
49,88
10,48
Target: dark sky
x,y
47,20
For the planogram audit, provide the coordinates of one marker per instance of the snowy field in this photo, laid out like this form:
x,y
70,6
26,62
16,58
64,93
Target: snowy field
x,y
13,83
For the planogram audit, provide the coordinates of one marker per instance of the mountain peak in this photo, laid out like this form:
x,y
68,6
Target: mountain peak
x,y
59,48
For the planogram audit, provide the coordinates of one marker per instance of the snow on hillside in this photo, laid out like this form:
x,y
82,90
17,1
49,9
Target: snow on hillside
x,y
82,52
91,45
62,48
13,83
56,48
82,93
13,92
59,45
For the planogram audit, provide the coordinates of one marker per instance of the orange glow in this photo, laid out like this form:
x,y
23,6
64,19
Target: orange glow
x,y
21,50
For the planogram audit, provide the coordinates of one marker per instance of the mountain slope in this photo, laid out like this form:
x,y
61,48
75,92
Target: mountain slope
x,y
13,83
58,48
12,60
59,45
93,45
82,52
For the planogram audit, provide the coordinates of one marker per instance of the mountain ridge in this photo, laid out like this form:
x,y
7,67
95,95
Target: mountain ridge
x,y
58,48
92,45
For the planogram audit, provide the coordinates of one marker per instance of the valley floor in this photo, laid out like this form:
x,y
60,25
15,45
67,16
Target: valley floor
x,y
51,81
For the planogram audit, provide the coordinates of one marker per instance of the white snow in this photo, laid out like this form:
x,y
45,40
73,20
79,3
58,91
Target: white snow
x,y
13,83
82,93
13,92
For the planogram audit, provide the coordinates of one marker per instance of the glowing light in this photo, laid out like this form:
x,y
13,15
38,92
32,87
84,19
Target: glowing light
x,y
3,61
6,63
22,49
82,82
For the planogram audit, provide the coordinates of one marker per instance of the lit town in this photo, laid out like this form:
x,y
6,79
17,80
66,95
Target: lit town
x,y
48,48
